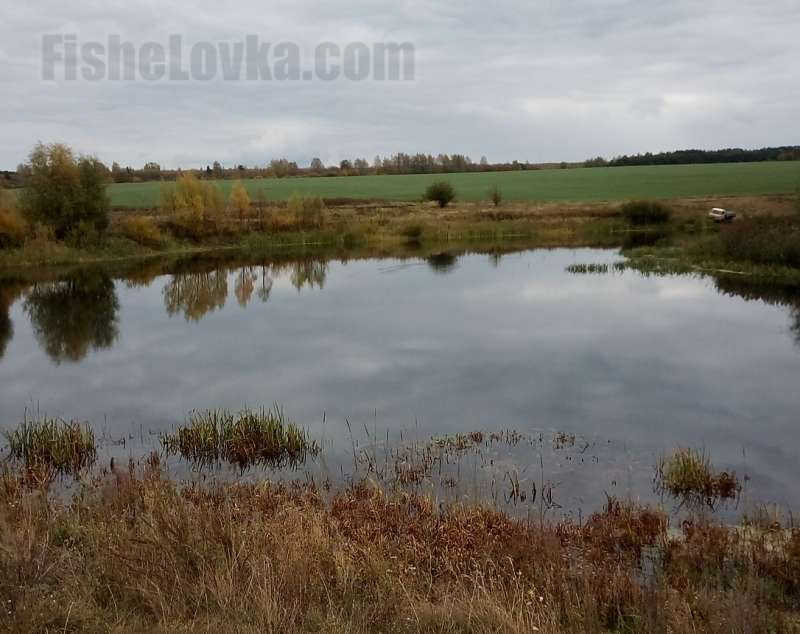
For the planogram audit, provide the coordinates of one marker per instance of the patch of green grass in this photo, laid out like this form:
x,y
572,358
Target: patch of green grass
x,y
247,438
52,446
579,184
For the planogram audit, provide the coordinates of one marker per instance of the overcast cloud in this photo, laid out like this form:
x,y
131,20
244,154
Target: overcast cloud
x,y
548,80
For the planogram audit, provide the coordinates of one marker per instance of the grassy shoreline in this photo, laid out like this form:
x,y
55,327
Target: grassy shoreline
x,y
388,228
131,549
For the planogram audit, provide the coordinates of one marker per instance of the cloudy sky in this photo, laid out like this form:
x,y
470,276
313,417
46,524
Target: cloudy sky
x,y
546,80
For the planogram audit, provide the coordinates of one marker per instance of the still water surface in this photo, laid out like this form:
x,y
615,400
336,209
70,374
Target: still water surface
x,y
632,365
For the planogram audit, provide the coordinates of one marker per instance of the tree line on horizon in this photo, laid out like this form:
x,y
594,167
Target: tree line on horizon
x,y
419,163
690,157
400,163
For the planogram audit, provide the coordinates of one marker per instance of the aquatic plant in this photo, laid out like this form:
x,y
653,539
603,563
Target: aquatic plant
x,y
587,268
50,446
245,438
687,474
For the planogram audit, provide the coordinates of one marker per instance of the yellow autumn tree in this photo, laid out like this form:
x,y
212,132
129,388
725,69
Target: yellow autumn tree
x,y
239,201
12,225
196,207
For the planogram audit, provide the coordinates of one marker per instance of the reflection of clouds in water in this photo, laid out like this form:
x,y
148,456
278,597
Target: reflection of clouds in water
x,y
654,361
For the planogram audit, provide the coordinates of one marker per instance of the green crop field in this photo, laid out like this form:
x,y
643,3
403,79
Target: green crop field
x,y
580,185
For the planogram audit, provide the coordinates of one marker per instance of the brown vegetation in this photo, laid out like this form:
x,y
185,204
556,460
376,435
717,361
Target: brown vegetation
x,y
765,240
143,230
12,225
135,552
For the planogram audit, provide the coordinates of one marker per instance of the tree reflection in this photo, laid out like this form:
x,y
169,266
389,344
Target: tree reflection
x,y
9,292
245,285
775,294
143,275
265,289
309,273
196,294
442,262
794,326
70,317
6,327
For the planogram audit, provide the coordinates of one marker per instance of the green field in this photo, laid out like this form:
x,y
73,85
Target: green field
x,y
580,185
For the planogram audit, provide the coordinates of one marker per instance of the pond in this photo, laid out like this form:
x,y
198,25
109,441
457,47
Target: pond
x,y
596,374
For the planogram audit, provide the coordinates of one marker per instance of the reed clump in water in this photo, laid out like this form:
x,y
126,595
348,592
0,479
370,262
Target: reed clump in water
x,y
593,268
247,438
51,446
687,474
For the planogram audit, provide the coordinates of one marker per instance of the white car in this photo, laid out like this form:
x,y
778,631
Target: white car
x,y
721,215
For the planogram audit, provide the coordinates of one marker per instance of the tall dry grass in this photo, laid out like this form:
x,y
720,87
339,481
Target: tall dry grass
x,y
133,551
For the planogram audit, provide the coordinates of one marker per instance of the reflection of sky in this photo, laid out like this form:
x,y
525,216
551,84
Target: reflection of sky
x,y
648,363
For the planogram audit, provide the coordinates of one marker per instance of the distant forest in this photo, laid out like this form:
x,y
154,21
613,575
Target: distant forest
x,y
402,163
687,157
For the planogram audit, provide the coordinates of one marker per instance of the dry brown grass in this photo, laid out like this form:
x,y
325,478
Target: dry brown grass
x,y
143,230
134,551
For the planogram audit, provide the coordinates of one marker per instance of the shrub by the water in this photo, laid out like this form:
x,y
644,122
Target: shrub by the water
x,y
646,212
66,193
773,241
196,208
12,225
412,232
440,192
239,202
306,211
142,230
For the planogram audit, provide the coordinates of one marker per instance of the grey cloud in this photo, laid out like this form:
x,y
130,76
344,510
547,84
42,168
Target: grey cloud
x,y
528,80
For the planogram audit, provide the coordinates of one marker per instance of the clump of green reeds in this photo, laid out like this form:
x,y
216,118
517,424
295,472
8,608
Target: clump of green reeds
x,y
587,268
246,438
687,474
53,446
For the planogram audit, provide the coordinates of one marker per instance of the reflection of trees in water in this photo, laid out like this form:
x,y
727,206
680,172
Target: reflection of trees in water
x,y
794,326
144,274
195,294
775,294
6,327
9,292
442,262
309,273
72,316
265,289
245,285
